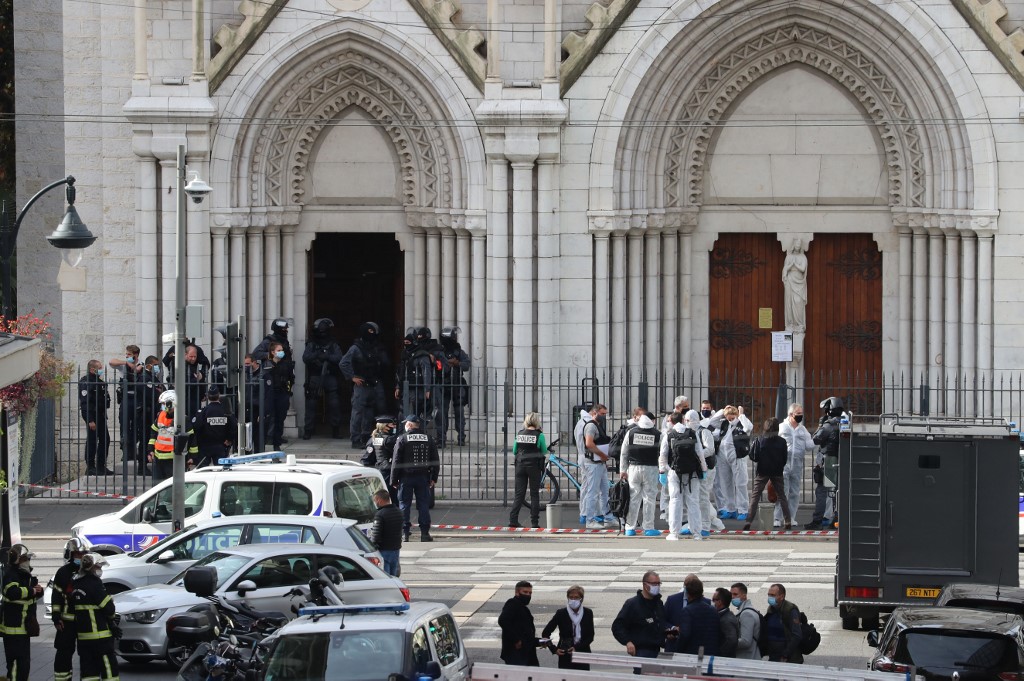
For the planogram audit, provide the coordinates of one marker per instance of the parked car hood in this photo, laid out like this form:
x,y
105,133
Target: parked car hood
x,y
155,597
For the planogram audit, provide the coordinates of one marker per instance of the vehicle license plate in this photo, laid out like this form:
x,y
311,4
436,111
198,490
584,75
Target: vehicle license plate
x,y
922,592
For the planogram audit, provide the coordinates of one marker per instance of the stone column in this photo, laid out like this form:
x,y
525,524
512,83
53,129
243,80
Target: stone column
x,y
257,329
906,322
238,272
433,282
548,266
141,47
291,306
685,306
272,273
478,328
601,308
147,286
449,273
197,229
935,303
497,266
464,265
652,296
551,33
635,311
968,316
493,43
920,338
523,281
168,244
198,41
951,351
618,305
985,312
669,302
219,313
419,256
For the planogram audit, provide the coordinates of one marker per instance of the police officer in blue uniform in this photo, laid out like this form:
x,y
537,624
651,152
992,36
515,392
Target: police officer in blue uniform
x,y
322,357
365,364
93,402
214,430
453,392
414,471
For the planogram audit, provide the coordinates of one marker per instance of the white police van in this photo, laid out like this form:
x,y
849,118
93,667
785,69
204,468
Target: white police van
x,y
267,483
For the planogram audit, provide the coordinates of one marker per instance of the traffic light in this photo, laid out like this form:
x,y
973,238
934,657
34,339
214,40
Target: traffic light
x,y
231,351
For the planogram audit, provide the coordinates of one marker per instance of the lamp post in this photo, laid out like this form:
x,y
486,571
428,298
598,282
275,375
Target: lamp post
x,y
71,237
197,190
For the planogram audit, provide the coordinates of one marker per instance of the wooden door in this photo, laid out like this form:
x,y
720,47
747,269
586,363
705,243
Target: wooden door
x,y
843,345
745,277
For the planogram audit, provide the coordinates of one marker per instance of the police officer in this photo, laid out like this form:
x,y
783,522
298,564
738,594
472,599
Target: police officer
x,y
414,471
380,449
62,614
93,402
322,358
454,390
21,591
419,369
129,400
530,451
253,404
365,364
278,334
827,437
95,619
214,430
278,377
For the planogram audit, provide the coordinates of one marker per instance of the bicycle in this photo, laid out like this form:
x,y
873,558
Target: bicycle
x,y
550,488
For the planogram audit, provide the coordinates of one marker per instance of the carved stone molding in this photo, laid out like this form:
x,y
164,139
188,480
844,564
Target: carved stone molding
x,y
1007,44
581,47
350,79
746,64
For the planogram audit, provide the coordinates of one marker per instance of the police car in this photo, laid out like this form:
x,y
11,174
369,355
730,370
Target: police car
x,y
266,483
367,643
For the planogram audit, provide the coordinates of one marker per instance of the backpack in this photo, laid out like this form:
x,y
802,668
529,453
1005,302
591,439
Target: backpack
x,y
615,444
810,639
683,447
710,459
419,370
618,498
740,441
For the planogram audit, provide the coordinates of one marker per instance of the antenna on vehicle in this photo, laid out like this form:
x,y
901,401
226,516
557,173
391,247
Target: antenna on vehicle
x,y
999,584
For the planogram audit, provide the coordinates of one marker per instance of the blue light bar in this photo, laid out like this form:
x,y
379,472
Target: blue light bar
x,y
352,609
250,458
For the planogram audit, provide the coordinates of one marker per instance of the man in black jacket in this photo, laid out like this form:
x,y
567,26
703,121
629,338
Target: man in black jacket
x,y
62,614
414,470
698,624
641,625
386,532
93,402
365,364
518,634
781,633
322,358
214,429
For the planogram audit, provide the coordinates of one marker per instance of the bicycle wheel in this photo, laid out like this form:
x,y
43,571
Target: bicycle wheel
x,y
549,490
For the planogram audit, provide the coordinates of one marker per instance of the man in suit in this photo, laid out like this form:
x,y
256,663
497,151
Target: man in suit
x,y
518,633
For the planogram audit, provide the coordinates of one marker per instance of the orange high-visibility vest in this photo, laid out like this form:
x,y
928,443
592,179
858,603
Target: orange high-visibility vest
x,y
164,446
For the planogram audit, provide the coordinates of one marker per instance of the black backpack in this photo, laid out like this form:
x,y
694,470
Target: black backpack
x,y
683,448
710,458
615,444
740,441
618,498
810,639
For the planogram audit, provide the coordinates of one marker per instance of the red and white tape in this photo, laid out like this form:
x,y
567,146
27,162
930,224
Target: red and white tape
x,y
558,530
104,495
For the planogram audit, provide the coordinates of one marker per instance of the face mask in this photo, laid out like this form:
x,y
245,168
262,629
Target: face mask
x,y
156,371
130,360
799,418
601,420
98,572
76,561
26,566
168,409
279,354
655,589
99,372
524,599
771,601
736,602
706,413
575,603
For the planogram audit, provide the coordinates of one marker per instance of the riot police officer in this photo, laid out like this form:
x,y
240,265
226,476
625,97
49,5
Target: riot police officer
x,y
62,614
21,591
414,470
95,619
322,358
365,364
418,373
278,334
453,390
93,402
827,437
214,429
380,449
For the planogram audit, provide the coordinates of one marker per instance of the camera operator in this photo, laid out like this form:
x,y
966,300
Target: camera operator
x,y
827,437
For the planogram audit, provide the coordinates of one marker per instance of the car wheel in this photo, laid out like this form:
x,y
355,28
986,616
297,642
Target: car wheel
x,y
851,623
179,655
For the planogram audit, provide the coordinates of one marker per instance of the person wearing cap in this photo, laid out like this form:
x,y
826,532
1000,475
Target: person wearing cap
x,y
365,365
20,592
62,614
95,619
380,449
322,358
414,470
213,431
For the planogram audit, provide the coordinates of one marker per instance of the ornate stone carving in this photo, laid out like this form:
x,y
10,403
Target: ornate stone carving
x,y
351,78
865,264
794,280
581,48
234,41
729,334
863,336
1007,45
742,67
727,262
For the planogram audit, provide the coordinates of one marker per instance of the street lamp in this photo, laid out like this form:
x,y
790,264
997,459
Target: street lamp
x,y
197,190
71,237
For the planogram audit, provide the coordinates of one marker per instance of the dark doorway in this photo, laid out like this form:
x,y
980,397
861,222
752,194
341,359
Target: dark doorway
x,y
355,278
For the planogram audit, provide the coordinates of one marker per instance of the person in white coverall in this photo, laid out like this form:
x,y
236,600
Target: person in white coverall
x,y
799,442
594,464
684,491
731,471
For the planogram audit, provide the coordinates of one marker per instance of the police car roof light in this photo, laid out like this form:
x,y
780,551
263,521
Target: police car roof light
x,y
353,609
252,458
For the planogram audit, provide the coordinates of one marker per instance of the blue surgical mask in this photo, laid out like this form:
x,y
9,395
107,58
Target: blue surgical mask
x,y
156,370
736,602
772,602
279,354
574,603
130,360
76,561
99,372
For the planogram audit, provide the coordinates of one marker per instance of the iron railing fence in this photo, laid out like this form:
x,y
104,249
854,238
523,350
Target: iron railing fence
x,y
480,468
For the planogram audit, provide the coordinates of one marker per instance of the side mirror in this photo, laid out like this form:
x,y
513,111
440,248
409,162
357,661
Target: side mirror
x,y
165,557
432,669
247,585
147,515
873,638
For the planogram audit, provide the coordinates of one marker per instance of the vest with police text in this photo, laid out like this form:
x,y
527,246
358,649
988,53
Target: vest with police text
x,y
642,446
527,449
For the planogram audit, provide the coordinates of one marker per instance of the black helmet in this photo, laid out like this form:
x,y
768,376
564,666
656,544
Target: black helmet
x,y
423,333
833,406
19,553
368,331
322,325
279,325
73,545
450,335
410,336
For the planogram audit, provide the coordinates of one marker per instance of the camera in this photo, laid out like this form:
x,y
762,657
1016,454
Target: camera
x,y
197,189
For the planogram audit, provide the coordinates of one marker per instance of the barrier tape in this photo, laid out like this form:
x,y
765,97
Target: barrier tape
x,y
558,530
104,495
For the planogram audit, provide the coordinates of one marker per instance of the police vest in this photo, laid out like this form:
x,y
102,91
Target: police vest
x,y
164,426
417,456
527,449
641,446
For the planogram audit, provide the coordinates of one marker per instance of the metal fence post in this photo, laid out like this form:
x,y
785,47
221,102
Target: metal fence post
x,y
925,399
641,393
504,436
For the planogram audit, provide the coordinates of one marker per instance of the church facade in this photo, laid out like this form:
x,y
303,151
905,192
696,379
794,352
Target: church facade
x,y
623,185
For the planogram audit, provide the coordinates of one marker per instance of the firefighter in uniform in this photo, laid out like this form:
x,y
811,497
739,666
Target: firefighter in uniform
x,y
214,431
380,449
95,620
20,591
161,442
414,470
63,616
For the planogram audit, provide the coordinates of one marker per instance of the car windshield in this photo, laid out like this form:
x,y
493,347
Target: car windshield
x,y
158,547
360,540
349,655
226,564
958,650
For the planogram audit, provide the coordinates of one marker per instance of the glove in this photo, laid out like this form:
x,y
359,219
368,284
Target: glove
x,y
663,478
703,474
